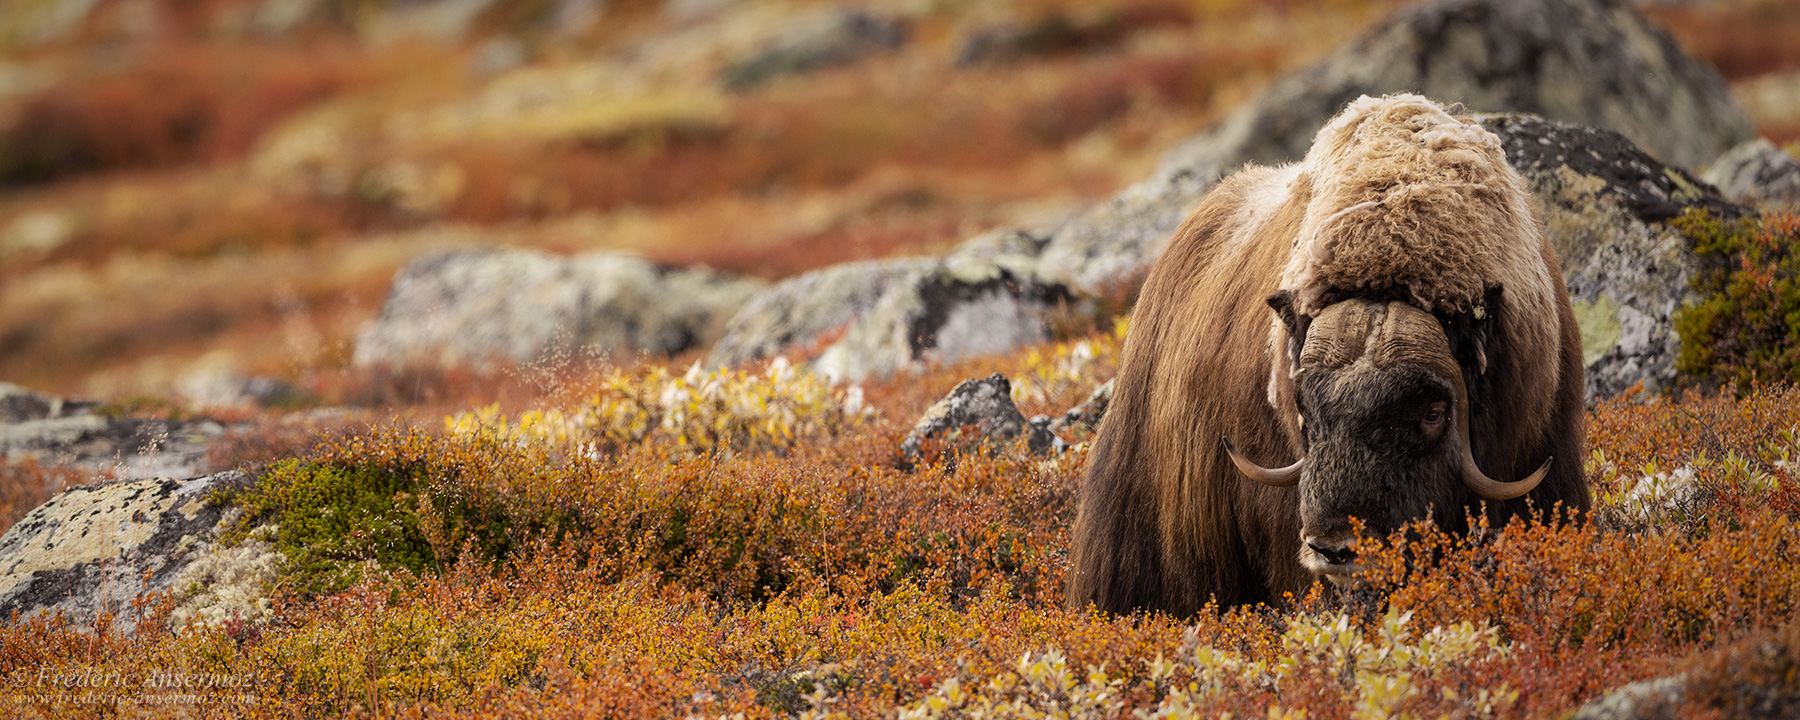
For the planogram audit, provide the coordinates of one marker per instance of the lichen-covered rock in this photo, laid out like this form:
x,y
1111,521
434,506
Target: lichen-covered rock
x,y
953,309
1593,62
93,549
1113,244
1606,205
805,309
813,42
1010,248
986,406
1757,174
59,431
1659,699
522,305
874,318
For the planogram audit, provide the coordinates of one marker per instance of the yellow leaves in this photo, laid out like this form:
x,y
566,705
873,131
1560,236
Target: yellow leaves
x,y
1069,367
1375,674
1041,686
696,412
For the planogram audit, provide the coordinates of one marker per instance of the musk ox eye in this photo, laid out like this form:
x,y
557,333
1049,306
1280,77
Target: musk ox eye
x,y
1434,415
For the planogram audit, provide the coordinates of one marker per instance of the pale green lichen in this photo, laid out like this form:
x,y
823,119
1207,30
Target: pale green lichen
x,y
1600,327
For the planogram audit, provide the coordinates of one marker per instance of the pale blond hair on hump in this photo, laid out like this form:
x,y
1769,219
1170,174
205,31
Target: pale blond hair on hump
x,y
1406,194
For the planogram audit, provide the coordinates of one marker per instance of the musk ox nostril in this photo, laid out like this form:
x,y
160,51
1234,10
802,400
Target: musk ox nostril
x,y
1341,556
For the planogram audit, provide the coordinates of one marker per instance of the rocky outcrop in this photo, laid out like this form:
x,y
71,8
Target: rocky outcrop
x,y
1113,244
1607,202
950,311
871,319
93,549
1757,174
813,42
477,306
1606,205
1592,62
978,414
58,431
808,309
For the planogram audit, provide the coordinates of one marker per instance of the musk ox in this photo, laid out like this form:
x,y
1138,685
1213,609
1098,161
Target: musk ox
x,y
1379,331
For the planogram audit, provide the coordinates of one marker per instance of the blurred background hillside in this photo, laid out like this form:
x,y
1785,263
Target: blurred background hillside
x,y
204,187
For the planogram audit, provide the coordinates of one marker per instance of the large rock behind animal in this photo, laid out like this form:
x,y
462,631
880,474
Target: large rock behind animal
x,y
874,318
1592,62
521,306
1607,206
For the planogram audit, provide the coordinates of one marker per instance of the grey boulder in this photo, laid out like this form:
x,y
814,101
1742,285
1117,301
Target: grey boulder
x,y
522,306
984,410
1757,174
92,550
872,319
945,312
809,308
1592,62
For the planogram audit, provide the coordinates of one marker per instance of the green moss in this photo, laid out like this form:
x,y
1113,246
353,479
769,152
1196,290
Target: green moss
x,y
1745,326
331,520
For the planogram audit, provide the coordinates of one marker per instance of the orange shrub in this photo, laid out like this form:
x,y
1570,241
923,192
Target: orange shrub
x,y
26,483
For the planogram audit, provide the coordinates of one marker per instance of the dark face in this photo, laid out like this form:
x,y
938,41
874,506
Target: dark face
x,y
1377,411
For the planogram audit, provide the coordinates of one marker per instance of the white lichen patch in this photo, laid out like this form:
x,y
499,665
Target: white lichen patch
x,y
227,582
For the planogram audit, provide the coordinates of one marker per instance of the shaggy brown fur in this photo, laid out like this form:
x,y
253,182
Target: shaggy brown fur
x,y
1397,201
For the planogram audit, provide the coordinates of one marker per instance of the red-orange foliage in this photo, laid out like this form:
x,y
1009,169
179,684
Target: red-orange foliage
x,y
642,582
26,483
175,106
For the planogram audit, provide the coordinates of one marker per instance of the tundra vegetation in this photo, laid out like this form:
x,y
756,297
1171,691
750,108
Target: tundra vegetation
x,y
741,542
633,538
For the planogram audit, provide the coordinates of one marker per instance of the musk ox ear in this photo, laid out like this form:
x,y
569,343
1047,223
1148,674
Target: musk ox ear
x,y
1470,332
1282,302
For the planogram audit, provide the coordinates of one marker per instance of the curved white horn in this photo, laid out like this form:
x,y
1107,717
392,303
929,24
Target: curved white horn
x,y
1278,477
1472,475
